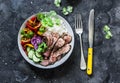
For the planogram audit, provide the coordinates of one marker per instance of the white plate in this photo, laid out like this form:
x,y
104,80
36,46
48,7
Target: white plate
x,y
57,63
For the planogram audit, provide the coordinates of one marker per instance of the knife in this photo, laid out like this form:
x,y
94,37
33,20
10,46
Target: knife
x,y
90,49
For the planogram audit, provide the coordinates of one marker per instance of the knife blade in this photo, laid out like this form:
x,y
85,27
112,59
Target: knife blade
x,y
90,49
91,28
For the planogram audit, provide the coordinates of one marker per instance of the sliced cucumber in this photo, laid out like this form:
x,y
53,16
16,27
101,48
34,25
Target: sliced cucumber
x,y
37,54
31,53
36,59
28,49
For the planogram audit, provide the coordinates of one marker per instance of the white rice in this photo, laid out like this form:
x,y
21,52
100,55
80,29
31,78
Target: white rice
x,y
58,28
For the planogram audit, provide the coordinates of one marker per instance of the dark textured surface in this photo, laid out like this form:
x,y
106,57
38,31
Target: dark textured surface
x,y
14,69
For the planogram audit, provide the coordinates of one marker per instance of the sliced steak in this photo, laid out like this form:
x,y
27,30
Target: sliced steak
x,y
62,50
58,54
55,37
48,38
59,57
67,38
47,53
52,59
45,62
58,44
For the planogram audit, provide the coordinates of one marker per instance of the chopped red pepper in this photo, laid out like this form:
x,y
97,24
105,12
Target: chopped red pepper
x,y
33,18
35,28
25,41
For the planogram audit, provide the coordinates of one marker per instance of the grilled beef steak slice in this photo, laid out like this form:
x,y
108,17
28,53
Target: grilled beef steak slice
x,y
67,38
59,43
62,50
52,59
59,57
47,53
55,37
48,38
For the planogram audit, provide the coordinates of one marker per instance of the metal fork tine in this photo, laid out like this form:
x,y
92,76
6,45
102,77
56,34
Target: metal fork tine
x,y
77,21
80,21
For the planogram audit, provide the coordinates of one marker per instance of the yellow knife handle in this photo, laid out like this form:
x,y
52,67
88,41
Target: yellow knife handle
x,y
90,59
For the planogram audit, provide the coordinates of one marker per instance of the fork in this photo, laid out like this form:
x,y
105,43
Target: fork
x,y
79,31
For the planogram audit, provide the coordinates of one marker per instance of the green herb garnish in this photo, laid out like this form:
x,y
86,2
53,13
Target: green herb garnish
x,y
106,28
64,11
107,31
67,10
57,3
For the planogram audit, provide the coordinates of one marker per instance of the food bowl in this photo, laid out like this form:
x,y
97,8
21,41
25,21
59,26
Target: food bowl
x,y
57,63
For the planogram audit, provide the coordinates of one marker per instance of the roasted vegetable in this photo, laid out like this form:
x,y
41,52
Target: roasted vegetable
x,y
25,41
33,28
27,33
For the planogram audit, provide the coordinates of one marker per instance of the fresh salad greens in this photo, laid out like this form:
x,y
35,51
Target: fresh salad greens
x,y
47,19
42,29
107,31
41,47
57,3
40,16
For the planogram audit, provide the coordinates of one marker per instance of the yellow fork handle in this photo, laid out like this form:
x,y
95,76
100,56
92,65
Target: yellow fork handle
x,y
90,59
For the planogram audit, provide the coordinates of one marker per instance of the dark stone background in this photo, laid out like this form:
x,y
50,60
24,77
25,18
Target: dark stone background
x,y
14,69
